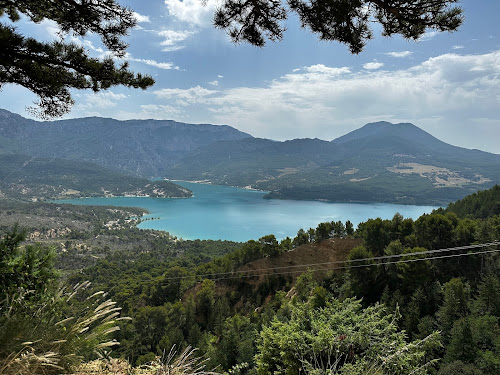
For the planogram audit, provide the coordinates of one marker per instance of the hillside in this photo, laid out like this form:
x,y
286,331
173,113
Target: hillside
x,y
480,205
137,147
329,251
318,293
29,178
380,162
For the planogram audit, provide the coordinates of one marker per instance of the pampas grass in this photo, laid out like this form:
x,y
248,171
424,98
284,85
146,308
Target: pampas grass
x,y
186,363
53,336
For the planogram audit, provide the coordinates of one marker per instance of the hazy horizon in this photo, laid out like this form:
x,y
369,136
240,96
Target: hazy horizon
x,y
277,140
446,83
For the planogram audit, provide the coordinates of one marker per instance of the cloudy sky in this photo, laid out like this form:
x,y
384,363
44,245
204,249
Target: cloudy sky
x,y
447,84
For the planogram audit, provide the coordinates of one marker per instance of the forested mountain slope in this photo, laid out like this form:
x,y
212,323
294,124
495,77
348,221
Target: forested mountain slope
x,y
380,162
481,205
253,311
137,147
30,178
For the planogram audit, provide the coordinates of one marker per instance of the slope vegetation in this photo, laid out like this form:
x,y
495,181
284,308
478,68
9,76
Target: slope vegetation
x,y
29,178
380,162
480,205
137,147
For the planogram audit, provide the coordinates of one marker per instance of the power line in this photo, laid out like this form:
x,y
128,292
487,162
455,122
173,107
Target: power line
x,y
242,273
359,265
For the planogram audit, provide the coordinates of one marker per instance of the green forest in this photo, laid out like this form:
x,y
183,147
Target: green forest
x,y
29,178
84,291
395,296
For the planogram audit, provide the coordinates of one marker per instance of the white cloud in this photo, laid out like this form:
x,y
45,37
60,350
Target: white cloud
x,y
428,36
219,76
110,95
185,97
374,65
160,65
458,47
158,111
214,83
172,48
51,28
173,37
92,103
194,12
141,19
400,54
322,69
439,93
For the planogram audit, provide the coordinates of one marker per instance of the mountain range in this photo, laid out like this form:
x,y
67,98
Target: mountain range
x,y
379,162
136,147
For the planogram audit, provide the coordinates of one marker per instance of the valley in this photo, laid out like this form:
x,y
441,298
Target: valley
x,y
379,162
289,198
390,253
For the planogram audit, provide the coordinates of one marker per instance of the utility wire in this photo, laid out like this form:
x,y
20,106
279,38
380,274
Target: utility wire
x,y
359,265
242,273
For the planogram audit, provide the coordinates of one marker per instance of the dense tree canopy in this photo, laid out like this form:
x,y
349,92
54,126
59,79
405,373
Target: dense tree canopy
x,y
249,311
345,21
340,338
51,69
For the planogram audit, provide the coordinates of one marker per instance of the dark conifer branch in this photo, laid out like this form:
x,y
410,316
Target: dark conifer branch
x,y
345,21
50,70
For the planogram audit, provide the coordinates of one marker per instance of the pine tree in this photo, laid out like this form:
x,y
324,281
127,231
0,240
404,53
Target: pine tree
x,y
345,21
51,69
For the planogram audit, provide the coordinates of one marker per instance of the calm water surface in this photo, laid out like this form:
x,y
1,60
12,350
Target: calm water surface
x,y
228,213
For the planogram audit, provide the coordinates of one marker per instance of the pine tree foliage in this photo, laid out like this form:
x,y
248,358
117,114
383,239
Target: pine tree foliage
x,y
52,69
345,21
481,204
27,270
340,338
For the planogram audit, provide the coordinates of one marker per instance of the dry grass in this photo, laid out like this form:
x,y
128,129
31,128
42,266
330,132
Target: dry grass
x,y
330,250
438,175
34,342
186,363
106,367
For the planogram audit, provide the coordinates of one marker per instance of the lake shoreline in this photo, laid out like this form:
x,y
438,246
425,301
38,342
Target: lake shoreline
x,y
231,213
270,196
208,182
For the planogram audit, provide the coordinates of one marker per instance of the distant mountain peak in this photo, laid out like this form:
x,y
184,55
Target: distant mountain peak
x,y
7,114
404,130
389,125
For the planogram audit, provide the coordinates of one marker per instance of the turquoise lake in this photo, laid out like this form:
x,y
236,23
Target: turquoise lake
x,y
228,213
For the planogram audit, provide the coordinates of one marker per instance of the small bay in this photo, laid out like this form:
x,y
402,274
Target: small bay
x,y
229,213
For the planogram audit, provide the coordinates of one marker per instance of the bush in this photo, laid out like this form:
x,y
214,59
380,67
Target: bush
x,y
340,337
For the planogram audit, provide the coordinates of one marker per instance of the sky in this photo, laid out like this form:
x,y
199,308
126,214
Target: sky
x,y
448,84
